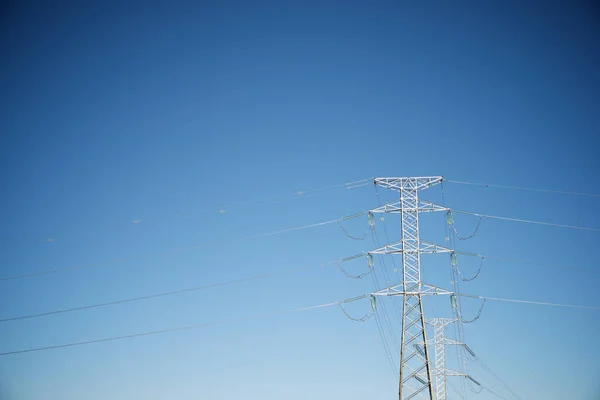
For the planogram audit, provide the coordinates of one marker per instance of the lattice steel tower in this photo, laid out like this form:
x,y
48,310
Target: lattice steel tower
x,y
440,341
415,364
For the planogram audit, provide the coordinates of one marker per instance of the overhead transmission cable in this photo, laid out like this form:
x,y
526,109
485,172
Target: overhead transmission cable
x,y
190,248
503,384
180,291
349,275
541,303
384,328
155,295
301,193
523,188
472,235
501,299
452,234
456,390
520,261
456,304
188,327
385,231
454,266
380,326
454,261
298,194
376,241
525,220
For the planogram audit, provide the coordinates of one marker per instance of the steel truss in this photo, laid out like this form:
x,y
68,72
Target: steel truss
x,y
439,344
415,364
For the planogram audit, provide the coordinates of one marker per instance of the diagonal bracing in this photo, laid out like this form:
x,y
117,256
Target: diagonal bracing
x,y
415,363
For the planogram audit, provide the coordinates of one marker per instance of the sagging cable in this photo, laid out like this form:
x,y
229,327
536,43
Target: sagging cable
x,y
472,234
454,262
369,263
350,275
478,313
450,222
364,317
470,382
349,236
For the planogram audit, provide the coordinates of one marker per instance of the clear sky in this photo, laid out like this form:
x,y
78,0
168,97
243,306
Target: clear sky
x,y
168,112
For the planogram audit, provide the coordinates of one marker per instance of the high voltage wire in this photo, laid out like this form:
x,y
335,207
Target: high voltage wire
x,y
213,243
301,193
524,188
503,384
231,320
519,261
240,280
297,194
458,327
173,292
182,328
528,221
474,296
525,221
393,338
357,184
510,391
456,390
195,247
540,303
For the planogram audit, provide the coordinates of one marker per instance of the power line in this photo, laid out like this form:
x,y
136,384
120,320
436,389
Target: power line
x,y
524,188
458,327
225,283
226,208
182,328
519,261
298,194
474,296
195,247
170,293
542,303
301,193
525,221
503,384
380,325
457,391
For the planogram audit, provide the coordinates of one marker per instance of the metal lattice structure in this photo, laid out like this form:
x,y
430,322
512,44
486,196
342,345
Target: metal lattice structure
x,y
415,364
439,344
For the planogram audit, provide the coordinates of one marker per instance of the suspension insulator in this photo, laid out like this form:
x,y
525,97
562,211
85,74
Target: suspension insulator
x,y
453,302
373,302
370,261
473,380
449,218
371,219
453,259
468,349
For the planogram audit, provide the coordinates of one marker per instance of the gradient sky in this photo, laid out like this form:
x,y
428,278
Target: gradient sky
x,y
169,112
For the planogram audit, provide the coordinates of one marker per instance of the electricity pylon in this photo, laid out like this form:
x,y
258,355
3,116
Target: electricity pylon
x,y
415,363
439,344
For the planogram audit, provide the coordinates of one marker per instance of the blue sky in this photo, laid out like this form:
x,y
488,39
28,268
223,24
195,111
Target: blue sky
x,y
168,113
